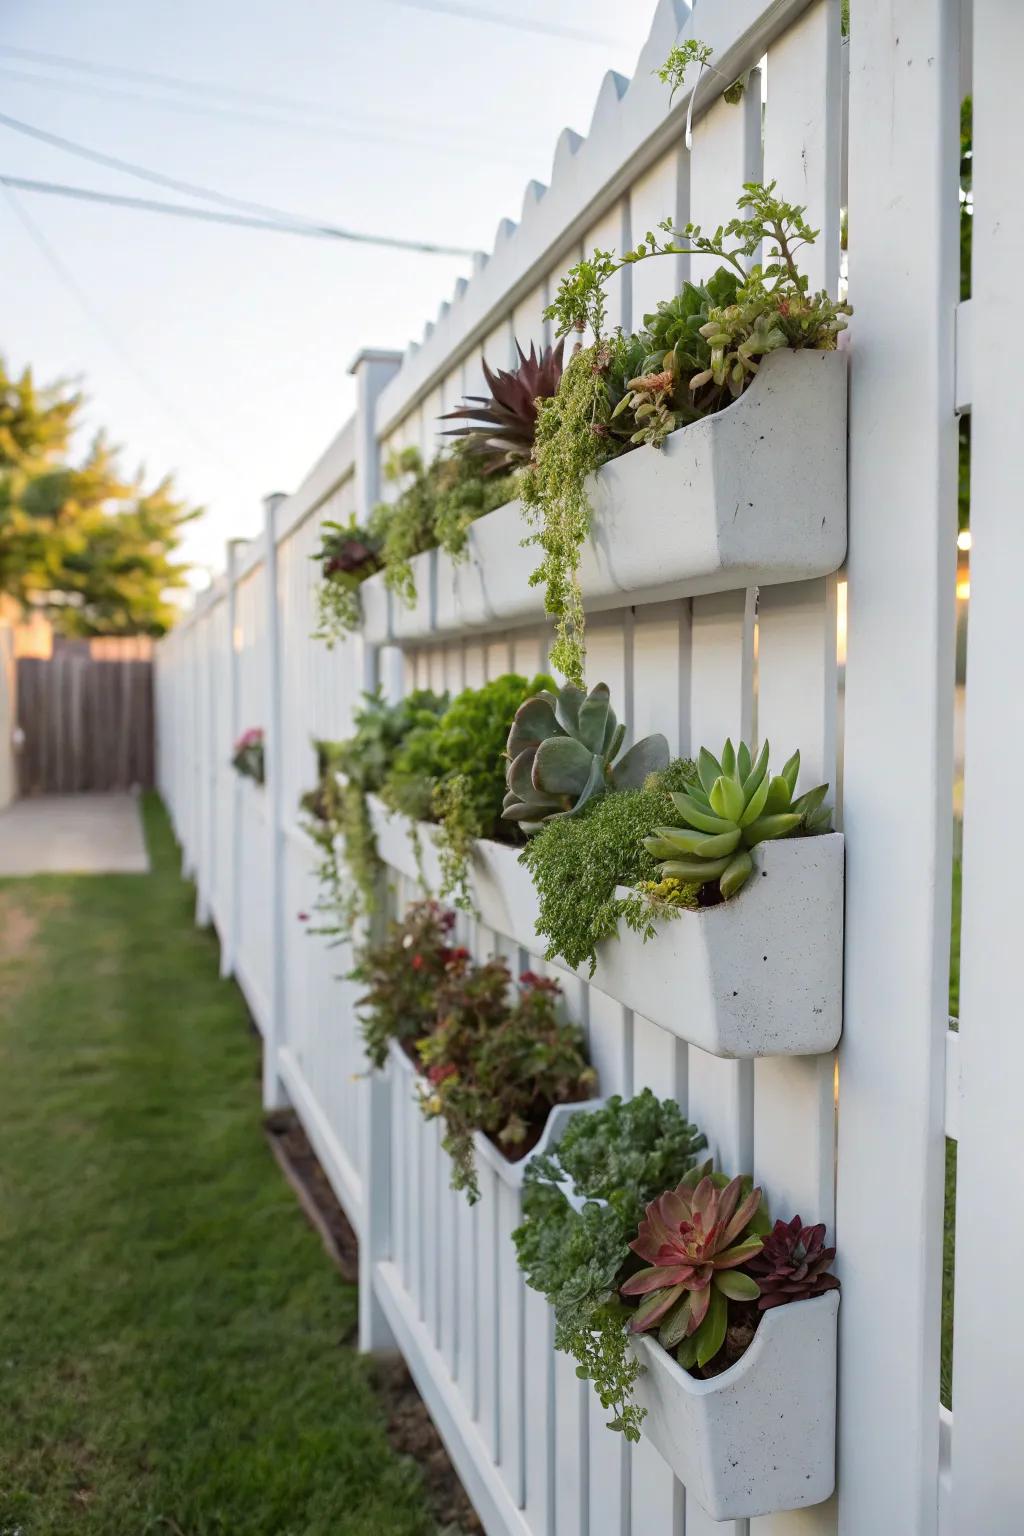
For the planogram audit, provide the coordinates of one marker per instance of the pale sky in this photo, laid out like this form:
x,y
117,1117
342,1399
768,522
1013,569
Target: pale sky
x,y
222,354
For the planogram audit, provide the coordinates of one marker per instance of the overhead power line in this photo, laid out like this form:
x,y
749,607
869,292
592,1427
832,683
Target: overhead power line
x,y
109,334
271,216
239,220
321,123
498,19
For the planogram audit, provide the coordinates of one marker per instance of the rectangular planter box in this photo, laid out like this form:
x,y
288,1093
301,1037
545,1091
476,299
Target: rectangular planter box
x,y
761,1437
760,975
509,1172
751,496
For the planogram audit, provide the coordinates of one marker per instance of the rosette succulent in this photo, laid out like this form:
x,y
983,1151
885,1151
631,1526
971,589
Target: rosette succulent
x,y
695,1238
561,754
793,1264
734,805
503,424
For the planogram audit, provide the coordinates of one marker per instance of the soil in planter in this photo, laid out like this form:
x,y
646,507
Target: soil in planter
x,y
410,1429
743,1321
534,1126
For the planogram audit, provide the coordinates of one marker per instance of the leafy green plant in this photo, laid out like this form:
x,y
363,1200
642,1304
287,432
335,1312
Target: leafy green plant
x,y
575,435
770,307
380,731
732,806
612,1161
338,818
433,508
577,862
348,554
503,425
561,754
695,1238
402,973
792,1265
453,770
499,1066
247,755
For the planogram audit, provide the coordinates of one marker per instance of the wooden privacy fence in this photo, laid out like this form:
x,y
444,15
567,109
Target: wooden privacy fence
x,y
758,661
86,724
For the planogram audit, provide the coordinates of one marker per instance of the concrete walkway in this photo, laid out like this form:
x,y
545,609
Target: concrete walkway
x,y
72,835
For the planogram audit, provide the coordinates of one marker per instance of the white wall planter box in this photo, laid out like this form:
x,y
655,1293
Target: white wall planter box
x,y
509,1172
760,975
753,495
760,1437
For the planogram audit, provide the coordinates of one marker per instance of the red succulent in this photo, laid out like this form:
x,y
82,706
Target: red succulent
x,y
793,1264
503,424
695,1239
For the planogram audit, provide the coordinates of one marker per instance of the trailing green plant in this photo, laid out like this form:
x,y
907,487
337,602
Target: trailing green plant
x,y
348,554
247,755
452,770
380,731
562,752
402,973
338,816
694,1238
575,435
577,862
433,508
499,1065
733,805
697,354
582,1203
503,424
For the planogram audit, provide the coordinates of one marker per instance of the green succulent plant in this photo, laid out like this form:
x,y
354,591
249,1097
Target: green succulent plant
x,y
734,805
561,753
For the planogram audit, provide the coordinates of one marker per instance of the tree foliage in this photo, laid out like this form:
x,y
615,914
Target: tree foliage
x,y
81,540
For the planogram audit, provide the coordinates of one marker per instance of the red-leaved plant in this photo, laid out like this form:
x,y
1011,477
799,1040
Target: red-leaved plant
x,y
247,754
714,1266
793,1264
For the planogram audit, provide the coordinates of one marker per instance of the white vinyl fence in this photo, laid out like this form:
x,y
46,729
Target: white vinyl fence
x,y
855,1139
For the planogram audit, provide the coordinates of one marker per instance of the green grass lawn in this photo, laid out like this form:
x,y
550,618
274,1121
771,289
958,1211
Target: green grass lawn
x,y
175,1352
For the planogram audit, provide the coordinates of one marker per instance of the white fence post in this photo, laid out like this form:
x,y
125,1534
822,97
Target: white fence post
x,y
275,1095
988,1361
903,209
229,937
372,369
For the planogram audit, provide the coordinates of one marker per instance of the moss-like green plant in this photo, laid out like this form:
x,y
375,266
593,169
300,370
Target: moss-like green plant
x,y
577,862
622,1155
453,771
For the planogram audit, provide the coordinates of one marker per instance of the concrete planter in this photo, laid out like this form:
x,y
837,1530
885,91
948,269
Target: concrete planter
x,y
760,1437
760,975
753,495
509,1172
395,847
